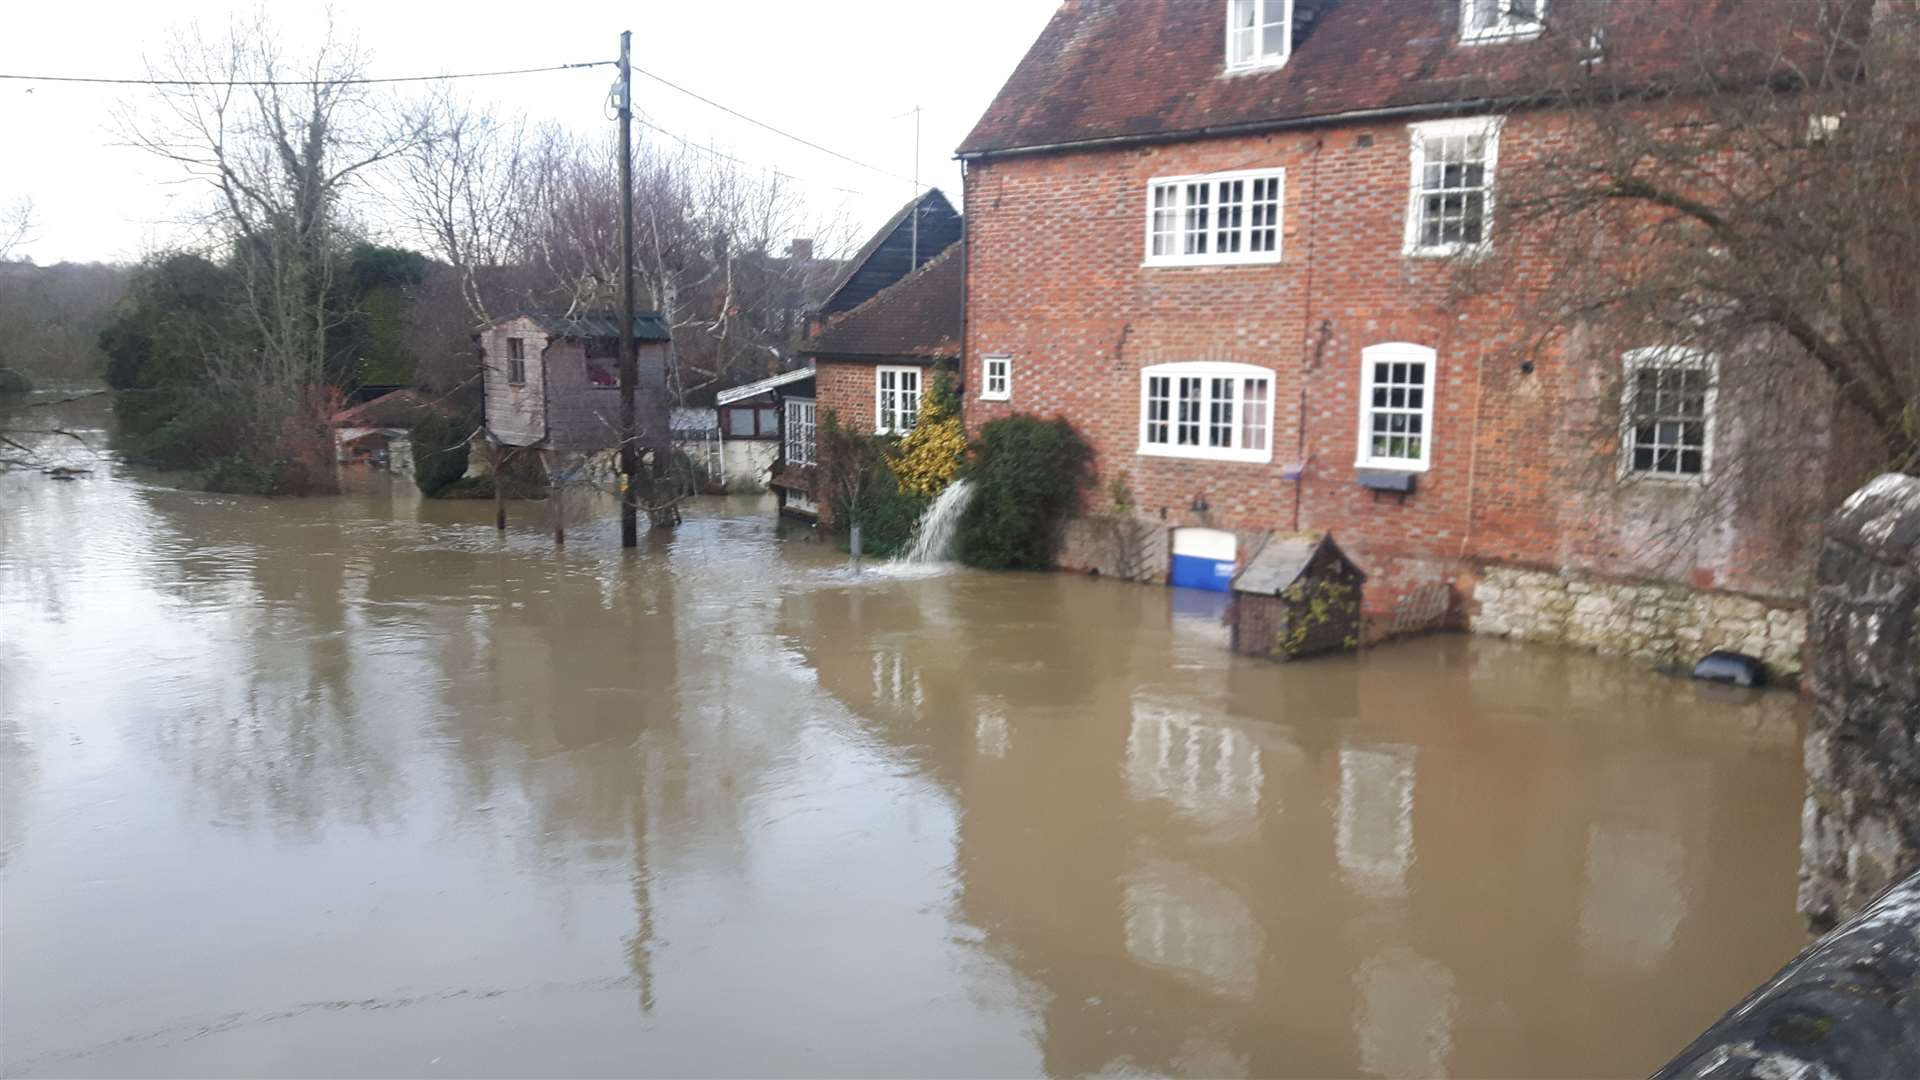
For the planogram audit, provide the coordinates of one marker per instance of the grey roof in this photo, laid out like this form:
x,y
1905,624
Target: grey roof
x,y
1284,560
771,382
647,326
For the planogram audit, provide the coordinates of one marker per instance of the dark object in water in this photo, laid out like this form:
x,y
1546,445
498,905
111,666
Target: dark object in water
x,y
1731,667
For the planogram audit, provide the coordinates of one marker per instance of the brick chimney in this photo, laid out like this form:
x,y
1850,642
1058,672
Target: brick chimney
x,y
800,251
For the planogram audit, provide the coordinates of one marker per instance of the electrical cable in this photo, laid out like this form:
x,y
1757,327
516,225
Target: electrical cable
x,y
304,82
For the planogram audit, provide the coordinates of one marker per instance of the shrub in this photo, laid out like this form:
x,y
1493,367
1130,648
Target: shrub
x,y
862,488
440,451
931,453
1027,475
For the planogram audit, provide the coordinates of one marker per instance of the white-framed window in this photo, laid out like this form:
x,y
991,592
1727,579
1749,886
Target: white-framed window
x,y
1396,407
800,434
1218,219
1259,33
896,399
1451,203
802,503
1666,414
1205,409
1500,20
516,361
996,378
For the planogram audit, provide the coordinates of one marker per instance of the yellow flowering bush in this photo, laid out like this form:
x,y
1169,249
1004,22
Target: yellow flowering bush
x,y
930,454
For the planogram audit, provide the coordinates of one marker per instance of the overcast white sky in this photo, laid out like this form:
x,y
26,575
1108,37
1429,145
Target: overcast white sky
x,y
838,72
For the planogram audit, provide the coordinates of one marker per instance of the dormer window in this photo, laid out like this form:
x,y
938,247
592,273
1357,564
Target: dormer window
x,y
1500,20
1260,33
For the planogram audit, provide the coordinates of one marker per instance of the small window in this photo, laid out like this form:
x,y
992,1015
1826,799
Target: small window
x,y
1259,33
896,400
1396,407
517,361
1452,197
996,378
800,434
1500,20
1222,218
740,423
1207,410
1666,426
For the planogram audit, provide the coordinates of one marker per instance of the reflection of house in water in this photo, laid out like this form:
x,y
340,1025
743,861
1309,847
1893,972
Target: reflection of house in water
x,y
1406,1014
1635,894
1180,919
1374,836
1209,769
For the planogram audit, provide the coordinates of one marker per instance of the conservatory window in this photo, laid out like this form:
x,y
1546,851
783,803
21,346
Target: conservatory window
x,y
800,432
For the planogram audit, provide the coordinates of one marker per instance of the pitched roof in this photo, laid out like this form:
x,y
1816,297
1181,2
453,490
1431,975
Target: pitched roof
x,y
1285,559
648,326
1106,70
889,254
917,318
401,408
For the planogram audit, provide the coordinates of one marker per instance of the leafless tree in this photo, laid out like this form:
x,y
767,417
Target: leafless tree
x,y
16,226
1745,188
278,142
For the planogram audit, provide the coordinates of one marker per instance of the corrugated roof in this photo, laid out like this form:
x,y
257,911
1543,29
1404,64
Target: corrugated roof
x,y
771,382
648,326
917,318
401,408
1115,69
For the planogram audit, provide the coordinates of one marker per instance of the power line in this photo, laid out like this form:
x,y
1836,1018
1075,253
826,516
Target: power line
x,y
670,84
699,149
302,82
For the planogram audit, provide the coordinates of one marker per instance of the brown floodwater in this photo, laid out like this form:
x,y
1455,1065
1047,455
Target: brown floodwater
x,y
354,786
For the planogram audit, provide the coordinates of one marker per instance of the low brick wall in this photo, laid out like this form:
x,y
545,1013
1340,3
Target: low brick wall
x,y
1662,624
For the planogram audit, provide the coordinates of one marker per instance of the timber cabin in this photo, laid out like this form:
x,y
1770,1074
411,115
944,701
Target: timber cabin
x,y
552,382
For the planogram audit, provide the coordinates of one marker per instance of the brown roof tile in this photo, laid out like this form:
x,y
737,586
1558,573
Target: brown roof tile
x,y
916,318
1113,69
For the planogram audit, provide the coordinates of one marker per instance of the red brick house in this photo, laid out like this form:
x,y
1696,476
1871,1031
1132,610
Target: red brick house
x,y
892,321
1215,235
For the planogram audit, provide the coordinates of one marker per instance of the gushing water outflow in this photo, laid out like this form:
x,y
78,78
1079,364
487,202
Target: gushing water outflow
x,y
933,536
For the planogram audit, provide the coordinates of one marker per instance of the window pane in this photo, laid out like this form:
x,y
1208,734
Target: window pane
x,y
740,422
1187,429
769,423
1253,414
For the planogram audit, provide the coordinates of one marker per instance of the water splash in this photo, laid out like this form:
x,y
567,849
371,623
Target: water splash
x,y
932,541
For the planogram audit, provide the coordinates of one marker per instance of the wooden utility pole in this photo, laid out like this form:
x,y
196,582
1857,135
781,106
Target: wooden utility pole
x,y
629,363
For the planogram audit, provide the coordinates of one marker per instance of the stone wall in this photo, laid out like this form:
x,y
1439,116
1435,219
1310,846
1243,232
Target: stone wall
x,y
1860,829
1659,623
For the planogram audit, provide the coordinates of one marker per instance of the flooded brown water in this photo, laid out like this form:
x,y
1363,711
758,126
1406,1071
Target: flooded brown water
x,y
352,786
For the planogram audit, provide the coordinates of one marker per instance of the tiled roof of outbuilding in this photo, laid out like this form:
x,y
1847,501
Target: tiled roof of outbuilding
x,y
1118,69
918,317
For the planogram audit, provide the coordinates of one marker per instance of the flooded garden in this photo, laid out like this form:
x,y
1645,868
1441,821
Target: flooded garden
x,y
356,786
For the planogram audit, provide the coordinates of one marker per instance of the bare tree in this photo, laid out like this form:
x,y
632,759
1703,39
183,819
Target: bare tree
x,y
16,226
1746,189
278,143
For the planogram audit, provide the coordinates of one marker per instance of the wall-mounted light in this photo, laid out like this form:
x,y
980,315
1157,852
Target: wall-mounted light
x,y
1199,504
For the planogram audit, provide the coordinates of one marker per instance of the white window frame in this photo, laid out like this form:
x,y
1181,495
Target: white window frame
x,y
1004,392
881,392
1418,135
1183,206
799,438
1506,26
1206,372
1396,352
1258,58
1667,356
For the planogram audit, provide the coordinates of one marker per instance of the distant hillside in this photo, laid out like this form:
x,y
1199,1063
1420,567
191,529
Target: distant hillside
x,y
51,318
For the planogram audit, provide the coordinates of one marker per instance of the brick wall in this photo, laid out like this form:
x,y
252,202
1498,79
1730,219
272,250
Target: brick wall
x,y
1522,463
847,390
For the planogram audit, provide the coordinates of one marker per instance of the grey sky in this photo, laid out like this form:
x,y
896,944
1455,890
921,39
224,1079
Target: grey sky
x,y
837,72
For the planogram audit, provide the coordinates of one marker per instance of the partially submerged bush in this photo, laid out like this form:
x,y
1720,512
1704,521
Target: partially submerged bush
x,y
1027,475
931,453
440,450
863,489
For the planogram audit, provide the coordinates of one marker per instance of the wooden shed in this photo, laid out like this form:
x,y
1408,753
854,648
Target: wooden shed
x,y
1299,595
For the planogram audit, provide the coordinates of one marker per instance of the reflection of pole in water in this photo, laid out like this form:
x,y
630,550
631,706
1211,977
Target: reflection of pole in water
x,y
640,942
